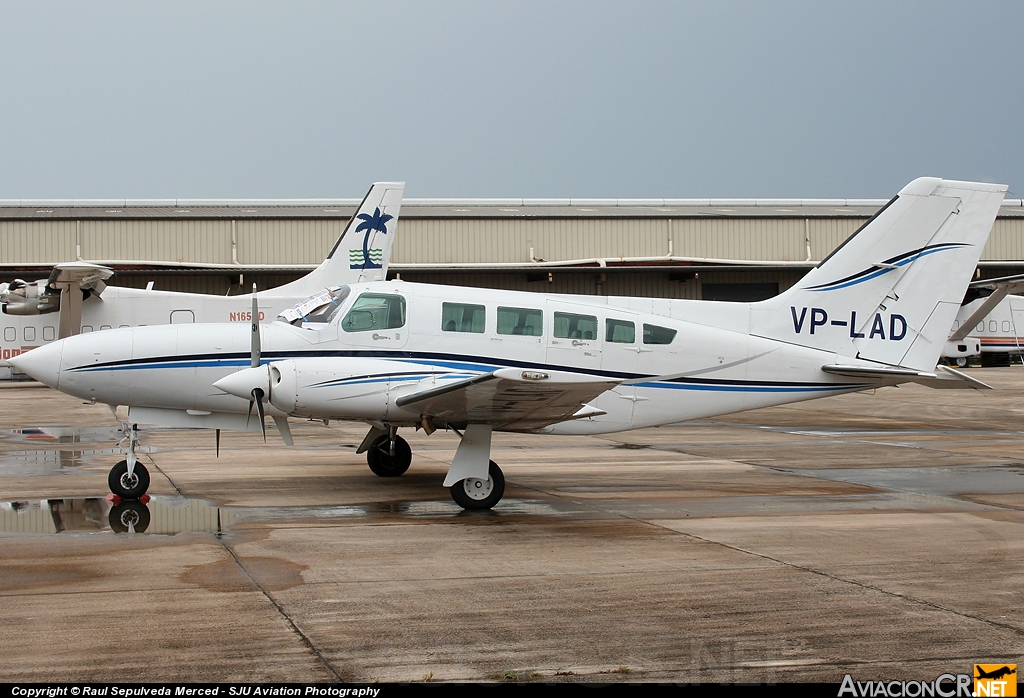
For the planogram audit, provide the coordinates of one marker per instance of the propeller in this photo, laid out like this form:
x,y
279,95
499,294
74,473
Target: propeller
x,y
257,394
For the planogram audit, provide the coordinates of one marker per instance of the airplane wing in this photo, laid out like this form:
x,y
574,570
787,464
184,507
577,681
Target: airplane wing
x,y
86,275
511,399
72,278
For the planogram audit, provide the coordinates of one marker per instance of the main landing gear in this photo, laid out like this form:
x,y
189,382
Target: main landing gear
x,y
474,480
389,455
129,478
474,493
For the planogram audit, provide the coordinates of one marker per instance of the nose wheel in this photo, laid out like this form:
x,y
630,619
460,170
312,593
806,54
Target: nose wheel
x,y
474,493
387,457
128,485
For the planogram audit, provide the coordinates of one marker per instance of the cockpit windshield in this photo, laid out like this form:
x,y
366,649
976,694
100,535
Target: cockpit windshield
x,y
316,311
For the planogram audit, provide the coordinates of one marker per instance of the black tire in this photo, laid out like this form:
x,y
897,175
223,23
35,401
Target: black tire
x,y
960,361
129,514
383,463
125,487
472,493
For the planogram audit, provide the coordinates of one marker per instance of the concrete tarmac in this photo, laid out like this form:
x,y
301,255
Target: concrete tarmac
x,y
879,535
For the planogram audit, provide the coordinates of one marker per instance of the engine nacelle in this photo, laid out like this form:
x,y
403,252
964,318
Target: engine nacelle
x,y
968,346
335,388
28,298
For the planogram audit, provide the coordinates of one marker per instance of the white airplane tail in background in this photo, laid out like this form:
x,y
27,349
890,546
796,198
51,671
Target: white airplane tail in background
x,y
890,292
363,251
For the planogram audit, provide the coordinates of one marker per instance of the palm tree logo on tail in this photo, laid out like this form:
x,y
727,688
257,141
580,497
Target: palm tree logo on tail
x,y
367,258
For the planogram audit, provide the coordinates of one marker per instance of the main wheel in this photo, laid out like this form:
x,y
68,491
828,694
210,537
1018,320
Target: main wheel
x,y
387,464
474,493
961,361
125,486
129,515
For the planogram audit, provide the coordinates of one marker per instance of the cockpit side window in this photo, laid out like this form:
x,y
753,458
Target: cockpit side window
x,y
654,334
316,311
375,311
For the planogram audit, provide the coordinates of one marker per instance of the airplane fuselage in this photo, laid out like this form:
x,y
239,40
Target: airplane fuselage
x,y
671,369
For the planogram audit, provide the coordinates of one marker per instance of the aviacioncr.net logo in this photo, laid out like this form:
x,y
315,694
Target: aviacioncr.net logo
x,y
944,686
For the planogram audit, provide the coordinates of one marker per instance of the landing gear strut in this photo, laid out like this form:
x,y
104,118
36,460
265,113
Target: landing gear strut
x,y
129,479
474,480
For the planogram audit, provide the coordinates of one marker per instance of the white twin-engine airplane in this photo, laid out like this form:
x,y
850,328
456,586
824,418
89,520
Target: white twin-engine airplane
x,y
77,290
403,355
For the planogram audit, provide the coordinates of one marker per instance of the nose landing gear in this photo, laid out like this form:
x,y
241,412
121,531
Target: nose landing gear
x,y
129,479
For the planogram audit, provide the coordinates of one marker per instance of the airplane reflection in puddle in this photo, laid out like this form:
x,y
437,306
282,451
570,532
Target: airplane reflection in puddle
x,y
156,515
170,515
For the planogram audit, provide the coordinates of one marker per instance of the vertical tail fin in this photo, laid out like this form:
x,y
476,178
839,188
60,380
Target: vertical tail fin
x,y
891,291
363,251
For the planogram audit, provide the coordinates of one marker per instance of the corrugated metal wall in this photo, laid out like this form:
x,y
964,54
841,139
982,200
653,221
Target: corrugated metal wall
x,y
458,241
449,241
1006,241
37,242
285,241
172,241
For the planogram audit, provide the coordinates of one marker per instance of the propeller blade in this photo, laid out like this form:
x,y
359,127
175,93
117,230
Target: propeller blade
x,y
257,395
255,349
218,443
249,414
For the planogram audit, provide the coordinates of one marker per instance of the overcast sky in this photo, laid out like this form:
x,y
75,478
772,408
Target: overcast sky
x,y
531,99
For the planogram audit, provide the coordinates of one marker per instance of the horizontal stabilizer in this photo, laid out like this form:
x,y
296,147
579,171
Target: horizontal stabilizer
x,y
947,378
875,372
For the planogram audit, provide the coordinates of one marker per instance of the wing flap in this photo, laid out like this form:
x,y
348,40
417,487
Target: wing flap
x,y
510,399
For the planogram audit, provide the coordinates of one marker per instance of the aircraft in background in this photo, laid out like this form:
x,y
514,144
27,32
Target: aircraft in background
x,y
77,294
987,323
399,355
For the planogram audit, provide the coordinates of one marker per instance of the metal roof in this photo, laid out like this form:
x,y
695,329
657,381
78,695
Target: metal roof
x,y
21,209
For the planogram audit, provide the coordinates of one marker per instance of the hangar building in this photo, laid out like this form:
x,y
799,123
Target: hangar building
x,y
721,249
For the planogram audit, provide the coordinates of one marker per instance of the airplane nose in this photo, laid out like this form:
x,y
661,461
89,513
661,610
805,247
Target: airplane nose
x,y
42,363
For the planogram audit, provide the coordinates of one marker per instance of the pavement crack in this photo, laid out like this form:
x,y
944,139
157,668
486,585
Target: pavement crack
x,y
288,619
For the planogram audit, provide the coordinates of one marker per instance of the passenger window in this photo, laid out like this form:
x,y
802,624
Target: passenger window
x,y
571,326
49,334
104,327
460,317
86,328
375,311
620,331
658,335
30,334
10,334
524,321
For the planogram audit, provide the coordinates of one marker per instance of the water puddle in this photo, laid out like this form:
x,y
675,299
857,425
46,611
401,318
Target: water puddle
x,y
45,462
938,481
61,435
164,515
